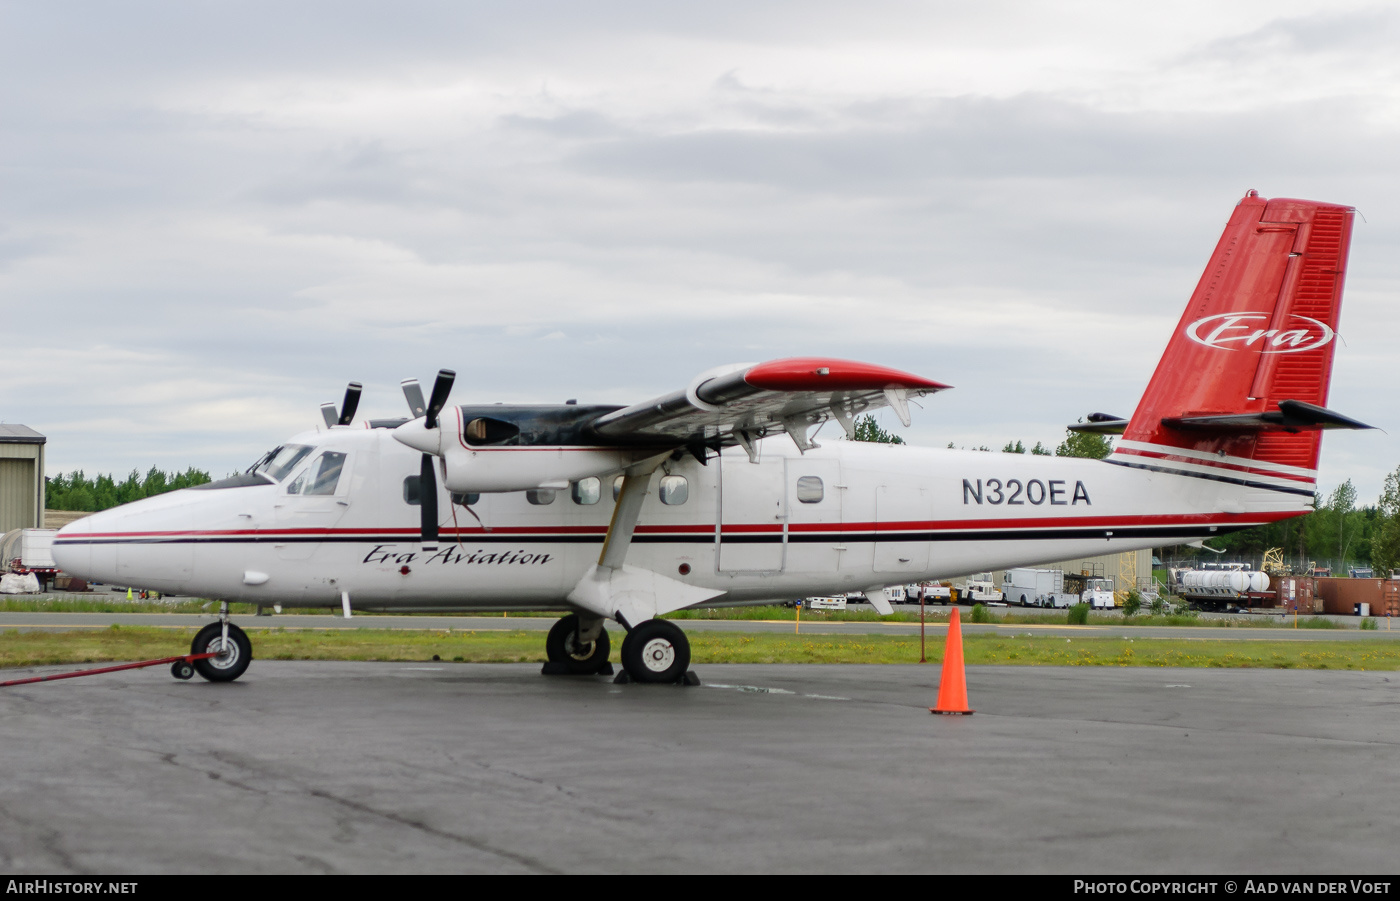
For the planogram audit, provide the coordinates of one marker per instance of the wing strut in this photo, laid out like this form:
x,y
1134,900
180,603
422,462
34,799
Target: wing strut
x,y
630,594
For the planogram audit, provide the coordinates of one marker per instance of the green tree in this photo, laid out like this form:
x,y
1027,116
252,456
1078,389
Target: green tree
x,y
1017,448
1084,444
867,429
1385,545
1040,450
75,491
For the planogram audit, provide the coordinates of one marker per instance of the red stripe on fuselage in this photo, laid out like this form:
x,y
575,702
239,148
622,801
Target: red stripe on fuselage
x,y
1067,522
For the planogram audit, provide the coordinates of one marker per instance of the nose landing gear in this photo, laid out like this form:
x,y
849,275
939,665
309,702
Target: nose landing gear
x,y
230,646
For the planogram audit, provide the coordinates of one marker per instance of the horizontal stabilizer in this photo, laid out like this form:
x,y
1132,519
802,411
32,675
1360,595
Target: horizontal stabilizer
x,y
1101,424
1291,416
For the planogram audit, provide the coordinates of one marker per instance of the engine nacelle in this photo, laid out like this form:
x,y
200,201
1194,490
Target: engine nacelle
x,y
517,448
472,470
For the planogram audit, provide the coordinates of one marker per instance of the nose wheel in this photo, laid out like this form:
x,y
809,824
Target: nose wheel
x,y
231,655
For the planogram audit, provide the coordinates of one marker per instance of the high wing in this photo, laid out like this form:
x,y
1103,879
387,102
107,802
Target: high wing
x,y
739,404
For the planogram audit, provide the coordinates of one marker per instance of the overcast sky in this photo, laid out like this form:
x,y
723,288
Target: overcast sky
x,y
214,215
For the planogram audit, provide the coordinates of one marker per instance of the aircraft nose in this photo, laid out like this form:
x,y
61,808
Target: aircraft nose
x,y
72,546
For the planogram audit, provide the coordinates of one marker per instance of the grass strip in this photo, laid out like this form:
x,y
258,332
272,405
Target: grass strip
x,y
123,643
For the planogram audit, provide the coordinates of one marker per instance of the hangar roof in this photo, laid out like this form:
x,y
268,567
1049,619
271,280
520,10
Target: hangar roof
x,y
13,433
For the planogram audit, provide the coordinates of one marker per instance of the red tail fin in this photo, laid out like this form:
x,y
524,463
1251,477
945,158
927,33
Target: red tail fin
x,y
1246,373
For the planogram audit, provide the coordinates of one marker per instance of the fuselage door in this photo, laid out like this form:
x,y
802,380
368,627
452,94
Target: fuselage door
x,y
310,503
814,496
902,515
752,513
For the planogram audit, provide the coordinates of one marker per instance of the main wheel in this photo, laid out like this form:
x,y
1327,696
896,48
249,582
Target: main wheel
x,y
562,646
656,651
233,658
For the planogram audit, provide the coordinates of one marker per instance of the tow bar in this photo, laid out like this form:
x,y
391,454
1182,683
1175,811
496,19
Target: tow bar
x,y
180,668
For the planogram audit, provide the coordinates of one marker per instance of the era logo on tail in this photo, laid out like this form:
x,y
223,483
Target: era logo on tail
x,y
1242,330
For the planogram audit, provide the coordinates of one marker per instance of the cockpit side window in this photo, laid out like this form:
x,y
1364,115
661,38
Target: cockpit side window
x,y
324,474
280,461
321,477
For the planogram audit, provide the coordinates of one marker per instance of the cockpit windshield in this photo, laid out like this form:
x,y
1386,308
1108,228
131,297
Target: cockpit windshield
x,y
279,461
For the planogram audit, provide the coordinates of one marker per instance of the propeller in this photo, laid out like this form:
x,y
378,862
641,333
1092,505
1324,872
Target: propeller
x,y
427,476
347,407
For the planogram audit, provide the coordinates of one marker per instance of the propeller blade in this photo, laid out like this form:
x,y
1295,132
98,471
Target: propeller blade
x,y
414,395
328,414
427,499
441,388
352,402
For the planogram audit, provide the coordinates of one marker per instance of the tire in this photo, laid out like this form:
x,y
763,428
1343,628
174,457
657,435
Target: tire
x,y
1023,601
228,666
561,646
181,670
656,651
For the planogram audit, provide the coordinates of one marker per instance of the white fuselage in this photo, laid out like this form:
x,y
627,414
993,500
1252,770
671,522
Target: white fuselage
x,y
846,516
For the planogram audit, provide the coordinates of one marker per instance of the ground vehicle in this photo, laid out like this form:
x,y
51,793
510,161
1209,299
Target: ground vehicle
x,y
1036,588
29,551
979,588
831,603
1098,593
937,592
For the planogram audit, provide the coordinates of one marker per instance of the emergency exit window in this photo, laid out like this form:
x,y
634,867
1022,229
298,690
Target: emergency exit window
x,y
809,490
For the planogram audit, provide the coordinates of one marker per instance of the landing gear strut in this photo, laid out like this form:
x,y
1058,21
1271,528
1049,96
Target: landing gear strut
x,y
577,648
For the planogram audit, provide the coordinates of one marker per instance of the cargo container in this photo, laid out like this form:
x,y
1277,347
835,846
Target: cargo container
x,y
1298,594
1341,596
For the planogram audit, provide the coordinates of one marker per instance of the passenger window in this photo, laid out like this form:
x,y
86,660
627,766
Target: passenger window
x,y
540,497
673,490
324,474
412,491
587,491
617,488
809,490
465,500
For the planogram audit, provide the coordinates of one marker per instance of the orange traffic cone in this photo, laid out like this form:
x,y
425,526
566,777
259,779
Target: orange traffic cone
x,y
952,685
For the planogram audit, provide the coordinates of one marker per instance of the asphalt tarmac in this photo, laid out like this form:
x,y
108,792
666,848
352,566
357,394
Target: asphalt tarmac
x,y
810,625
393,768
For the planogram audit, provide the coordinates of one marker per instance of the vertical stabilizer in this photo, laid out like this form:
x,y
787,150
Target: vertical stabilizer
x,y
1243,383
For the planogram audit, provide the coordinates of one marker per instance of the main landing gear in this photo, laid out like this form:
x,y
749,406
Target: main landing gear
x,y
655,651
576,648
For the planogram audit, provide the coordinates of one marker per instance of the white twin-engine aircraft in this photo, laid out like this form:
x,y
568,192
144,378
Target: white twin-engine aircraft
x,y
717,495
